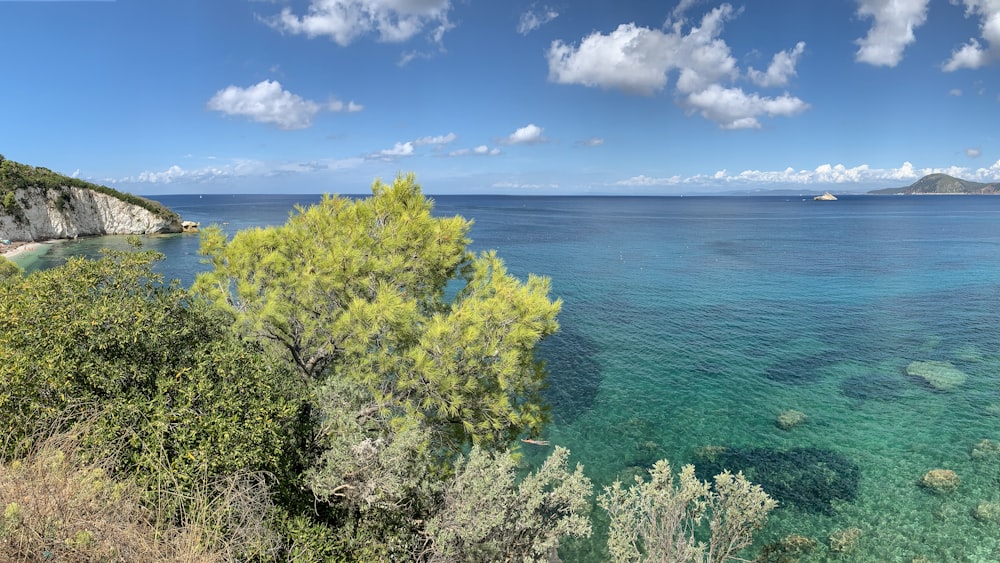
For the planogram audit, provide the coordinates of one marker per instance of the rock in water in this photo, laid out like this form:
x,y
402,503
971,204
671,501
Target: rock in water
x,y
807,478
940,480
942,376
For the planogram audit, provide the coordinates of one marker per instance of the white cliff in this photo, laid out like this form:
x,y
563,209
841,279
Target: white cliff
x,y
69,212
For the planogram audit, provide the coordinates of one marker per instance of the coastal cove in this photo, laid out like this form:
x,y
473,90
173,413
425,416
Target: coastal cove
x,y
691,325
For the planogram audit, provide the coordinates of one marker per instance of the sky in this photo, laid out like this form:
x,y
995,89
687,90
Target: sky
x,y
502,96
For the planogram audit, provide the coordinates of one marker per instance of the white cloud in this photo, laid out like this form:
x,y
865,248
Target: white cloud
x,y
682,6
782,67
892,30
955,92
337,106
861,177
592,142
647,181
973,152
638,60
398,150
343,21
236,168
530,21
265,102
481,150
530,134
436,140
732,108
520,186
630,58
973,55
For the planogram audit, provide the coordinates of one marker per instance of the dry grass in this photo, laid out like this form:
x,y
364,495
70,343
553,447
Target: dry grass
x,y
56,507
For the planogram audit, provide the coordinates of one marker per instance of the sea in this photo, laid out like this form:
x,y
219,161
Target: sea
x,y
834,351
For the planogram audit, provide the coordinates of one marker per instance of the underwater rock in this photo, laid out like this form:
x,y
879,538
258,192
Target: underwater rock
x,y
787,550
790,419
969,353
802,369
985,449
844,541
808,478
987,512
940,480
871,387
942,376
709,453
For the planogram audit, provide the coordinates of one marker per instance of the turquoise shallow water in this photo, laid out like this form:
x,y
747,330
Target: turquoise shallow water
x,y
694,322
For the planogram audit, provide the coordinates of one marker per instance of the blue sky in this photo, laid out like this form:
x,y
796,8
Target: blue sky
x,y
521,97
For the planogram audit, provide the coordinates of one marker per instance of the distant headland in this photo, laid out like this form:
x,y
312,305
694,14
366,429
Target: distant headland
x,y
38,204
942,184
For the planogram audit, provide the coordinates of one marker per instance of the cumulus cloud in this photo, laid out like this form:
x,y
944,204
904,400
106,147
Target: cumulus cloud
x,y
409,148
732,108
265,102
891,31
863,177
631,58
343,21
782,67
638,60
530,134
973,54
531,20
398,150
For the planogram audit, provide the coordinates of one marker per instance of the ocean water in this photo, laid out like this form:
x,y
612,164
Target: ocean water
x,y
690,325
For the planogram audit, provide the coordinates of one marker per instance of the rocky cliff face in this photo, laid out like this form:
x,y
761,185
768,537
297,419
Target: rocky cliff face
x,y
70,212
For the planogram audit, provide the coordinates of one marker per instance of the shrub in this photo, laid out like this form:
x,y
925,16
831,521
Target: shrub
x,y
657,520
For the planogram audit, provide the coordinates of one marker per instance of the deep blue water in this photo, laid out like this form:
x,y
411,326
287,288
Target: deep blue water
x,y
694,322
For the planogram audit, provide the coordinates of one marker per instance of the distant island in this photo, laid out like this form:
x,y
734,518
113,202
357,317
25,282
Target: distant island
x,y
942,184
38,204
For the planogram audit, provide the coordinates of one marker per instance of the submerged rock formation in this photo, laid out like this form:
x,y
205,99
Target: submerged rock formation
x,y
942,376
70,212
940,480
810,479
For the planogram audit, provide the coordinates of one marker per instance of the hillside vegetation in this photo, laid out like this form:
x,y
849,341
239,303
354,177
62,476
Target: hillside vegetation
x,y
17,176
942,184
350,386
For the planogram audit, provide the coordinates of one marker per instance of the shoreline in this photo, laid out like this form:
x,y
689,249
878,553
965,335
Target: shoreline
x,y
16,248
24,253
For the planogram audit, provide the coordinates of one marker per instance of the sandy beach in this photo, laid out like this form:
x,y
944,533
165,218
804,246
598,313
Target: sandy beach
x,y
18,248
